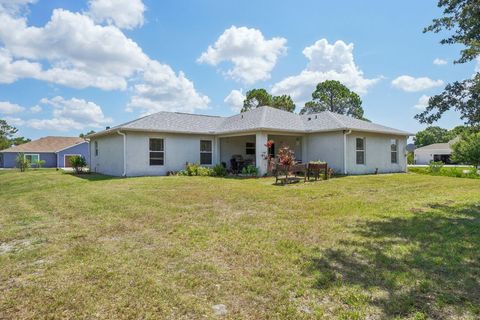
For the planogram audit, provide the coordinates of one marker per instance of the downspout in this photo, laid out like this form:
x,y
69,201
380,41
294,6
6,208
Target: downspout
x,y
124,174
345,134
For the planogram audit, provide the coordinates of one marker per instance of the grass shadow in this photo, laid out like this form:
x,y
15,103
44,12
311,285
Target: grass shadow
x,y
93,176
427,263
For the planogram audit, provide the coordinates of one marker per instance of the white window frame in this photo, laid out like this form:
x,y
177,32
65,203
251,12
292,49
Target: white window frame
x,y
211,152
150,151
394,151
31,154
69,155
364,150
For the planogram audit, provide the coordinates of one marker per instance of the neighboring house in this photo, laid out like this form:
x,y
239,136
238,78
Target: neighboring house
x,y
166,141
55,151
434,152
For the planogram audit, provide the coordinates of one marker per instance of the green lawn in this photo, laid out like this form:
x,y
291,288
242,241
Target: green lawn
x,y
361,247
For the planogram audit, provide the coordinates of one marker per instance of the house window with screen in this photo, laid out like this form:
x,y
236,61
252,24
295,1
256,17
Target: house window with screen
x,y
96,148
250,148
157,152
205,151
360,150
394,151
32,158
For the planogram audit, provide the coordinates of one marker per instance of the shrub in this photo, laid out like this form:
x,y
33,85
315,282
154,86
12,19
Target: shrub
x,y
435,167
219,170
78,163
193,169
39,164
250,170
22,163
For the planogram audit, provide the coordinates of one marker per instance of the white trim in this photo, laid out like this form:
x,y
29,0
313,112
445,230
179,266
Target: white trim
x,y
200,150
364,150
69,155
73,145
164,152
31,154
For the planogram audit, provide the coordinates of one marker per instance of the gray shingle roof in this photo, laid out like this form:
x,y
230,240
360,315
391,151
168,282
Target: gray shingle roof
x,y
447,146
262,118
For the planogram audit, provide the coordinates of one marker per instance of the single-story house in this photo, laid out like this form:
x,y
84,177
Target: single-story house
x,y
434,152
55,151
166,141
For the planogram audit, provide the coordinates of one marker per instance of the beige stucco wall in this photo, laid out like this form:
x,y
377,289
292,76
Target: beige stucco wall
x,y
179,149
425,156
326,146
377,154
110,155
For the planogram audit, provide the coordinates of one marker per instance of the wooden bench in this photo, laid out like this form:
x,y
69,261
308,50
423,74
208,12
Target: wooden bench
x,y
314,170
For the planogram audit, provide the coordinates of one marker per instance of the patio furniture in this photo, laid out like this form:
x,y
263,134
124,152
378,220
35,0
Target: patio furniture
x,y
237,163
315,169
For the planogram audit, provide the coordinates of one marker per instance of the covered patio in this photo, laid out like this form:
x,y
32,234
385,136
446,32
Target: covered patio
x,y
240,150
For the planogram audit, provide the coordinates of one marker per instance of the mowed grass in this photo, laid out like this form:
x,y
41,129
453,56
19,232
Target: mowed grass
x,y
402,246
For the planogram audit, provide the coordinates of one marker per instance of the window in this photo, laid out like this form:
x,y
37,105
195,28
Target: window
x,y
96,148
205,151
394,151
32,158
157,152
360,150
250,148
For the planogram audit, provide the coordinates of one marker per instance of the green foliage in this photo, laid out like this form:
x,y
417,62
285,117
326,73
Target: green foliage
x,y
435,167
21,162
194,169
410,158
455,172
6,136
462,18
83,135
467,149
220,170
332,95
78,163
431,135
260,97
39,163
250,170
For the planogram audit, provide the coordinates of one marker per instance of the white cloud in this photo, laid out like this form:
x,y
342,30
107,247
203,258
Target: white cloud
x,y
325,62
70,114
72,50
252,55
10,108
422,102
439,62
14,121
163,90
80,52
14,6
411,84
125,14
36,109
235,100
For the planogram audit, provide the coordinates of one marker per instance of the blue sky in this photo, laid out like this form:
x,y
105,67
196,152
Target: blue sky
x,y
70,66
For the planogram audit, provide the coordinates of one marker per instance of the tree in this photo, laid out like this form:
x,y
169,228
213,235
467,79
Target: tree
x,y
458,131
332,95
260,97
83,135
18,141
6,133
256,98
431,135
78,163
283,102
6,136
21,162
463,19
467,149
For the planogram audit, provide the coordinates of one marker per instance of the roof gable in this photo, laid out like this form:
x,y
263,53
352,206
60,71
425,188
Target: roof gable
x,y
46,144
